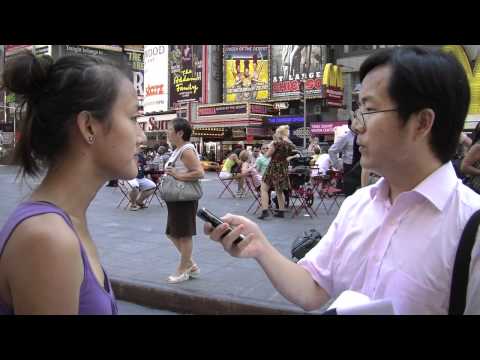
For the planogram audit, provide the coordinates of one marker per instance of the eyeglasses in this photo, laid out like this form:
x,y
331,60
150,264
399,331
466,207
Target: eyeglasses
x,y
359,119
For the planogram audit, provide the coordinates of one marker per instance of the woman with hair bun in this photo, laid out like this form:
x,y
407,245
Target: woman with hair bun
x,y
276,175
79,126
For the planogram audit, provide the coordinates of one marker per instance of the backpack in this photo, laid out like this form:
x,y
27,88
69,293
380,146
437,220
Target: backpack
x,y
304,243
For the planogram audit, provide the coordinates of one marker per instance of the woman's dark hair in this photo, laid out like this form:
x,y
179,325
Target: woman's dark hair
x,y
427,79
181,124
53,93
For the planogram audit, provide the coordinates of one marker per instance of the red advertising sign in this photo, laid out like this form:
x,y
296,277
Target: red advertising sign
x,y
325,127
334,96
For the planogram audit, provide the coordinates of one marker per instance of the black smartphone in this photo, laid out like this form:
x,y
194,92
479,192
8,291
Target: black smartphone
x,y
208,216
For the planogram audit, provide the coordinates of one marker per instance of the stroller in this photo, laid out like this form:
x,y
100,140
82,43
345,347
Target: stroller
x,y
300,178
299,175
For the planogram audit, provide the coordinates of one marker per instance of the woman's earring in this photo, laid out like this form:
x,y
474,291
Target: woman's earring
x,y
91,139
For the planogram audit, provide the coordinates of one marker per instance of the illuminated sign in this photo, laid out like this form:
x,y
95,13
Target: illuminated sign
x,y
222,110
285,120
235,109
326,127
209,132
261,109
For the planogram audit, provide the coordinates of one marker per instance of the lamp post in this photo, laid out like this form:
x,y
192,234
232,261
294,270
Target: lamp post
x,y
302,91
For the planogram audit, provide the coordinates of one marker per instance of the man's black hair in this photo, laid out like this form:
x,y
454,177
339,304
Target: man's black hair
x,y
427,79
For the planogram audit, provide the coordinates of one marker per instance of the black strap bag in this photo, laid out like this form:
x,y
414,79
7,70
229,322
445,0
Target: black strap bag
x,y
461,267
304,243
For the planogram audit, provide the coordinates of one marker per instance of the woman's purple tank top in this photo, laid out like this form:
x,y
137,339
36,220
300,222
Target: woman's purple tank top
x,y
94,299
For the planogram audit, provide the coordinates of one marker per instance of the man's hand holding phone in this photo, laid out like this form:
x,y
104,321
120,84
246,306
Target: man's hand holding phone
x,y
250,247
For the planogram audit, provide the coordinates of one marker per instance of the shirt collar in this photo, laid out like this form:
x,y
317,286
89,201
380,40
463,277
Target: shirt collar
x,y
436,188
380,187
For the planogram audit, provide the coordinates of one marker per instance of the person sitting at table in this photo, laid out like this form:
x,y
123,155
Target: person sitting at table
x,y
231,170
163,153
142,187
248,169
316,154
322,162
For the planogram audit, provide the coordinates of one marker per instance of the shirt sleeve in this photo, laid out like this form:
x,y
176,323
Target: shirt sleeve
x,y
473,291
335,149
258,164
319,261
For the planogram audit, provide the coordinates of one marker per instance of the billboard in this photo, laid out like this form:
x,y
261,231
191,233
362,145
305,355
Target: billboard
x,y
293,63
155,80
186,65
246,73
135,62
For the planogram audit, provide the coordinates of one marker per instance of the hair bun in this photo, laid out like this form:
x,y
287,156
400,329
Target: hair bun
x,y
27,74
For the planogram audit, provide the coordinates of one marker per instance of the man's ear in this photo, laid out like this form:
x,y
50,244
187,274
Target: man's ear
x,y
424,120
86,126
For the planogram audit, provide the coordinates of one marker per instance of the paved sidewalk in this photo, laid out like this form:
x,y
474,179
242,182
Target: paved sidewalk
x,y
138,257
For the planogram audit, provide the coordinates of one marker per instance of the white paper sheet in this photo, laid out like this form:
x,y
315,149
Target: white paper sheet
x,y
354,303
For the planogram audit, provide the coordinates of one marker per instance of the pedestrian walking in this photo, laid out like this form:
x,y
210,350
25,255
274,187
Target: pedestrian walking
x,y
184,165
276,175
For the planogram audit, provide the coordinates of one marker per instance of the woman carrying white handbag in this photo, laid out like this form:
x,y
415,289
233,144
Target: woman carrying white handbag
x,y
184,165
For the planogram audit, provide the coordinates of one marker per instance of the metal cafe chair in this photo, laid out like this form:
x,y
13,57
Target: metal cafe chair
x,y
226,183
329,190
257,197
156,179
125,189
301,193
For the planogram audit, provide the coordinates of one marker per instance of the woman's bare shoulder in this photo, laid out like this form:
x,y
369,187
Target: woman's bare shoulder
x,y
45,234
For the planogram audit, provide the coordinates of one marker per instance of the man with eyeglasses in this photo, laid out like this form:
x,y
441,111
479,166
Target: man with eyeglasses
x,y
255,155
261,163
397,239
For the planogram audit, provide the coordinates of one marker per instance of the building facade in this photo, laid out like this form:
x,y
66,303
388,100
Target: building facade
x,y
350,57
